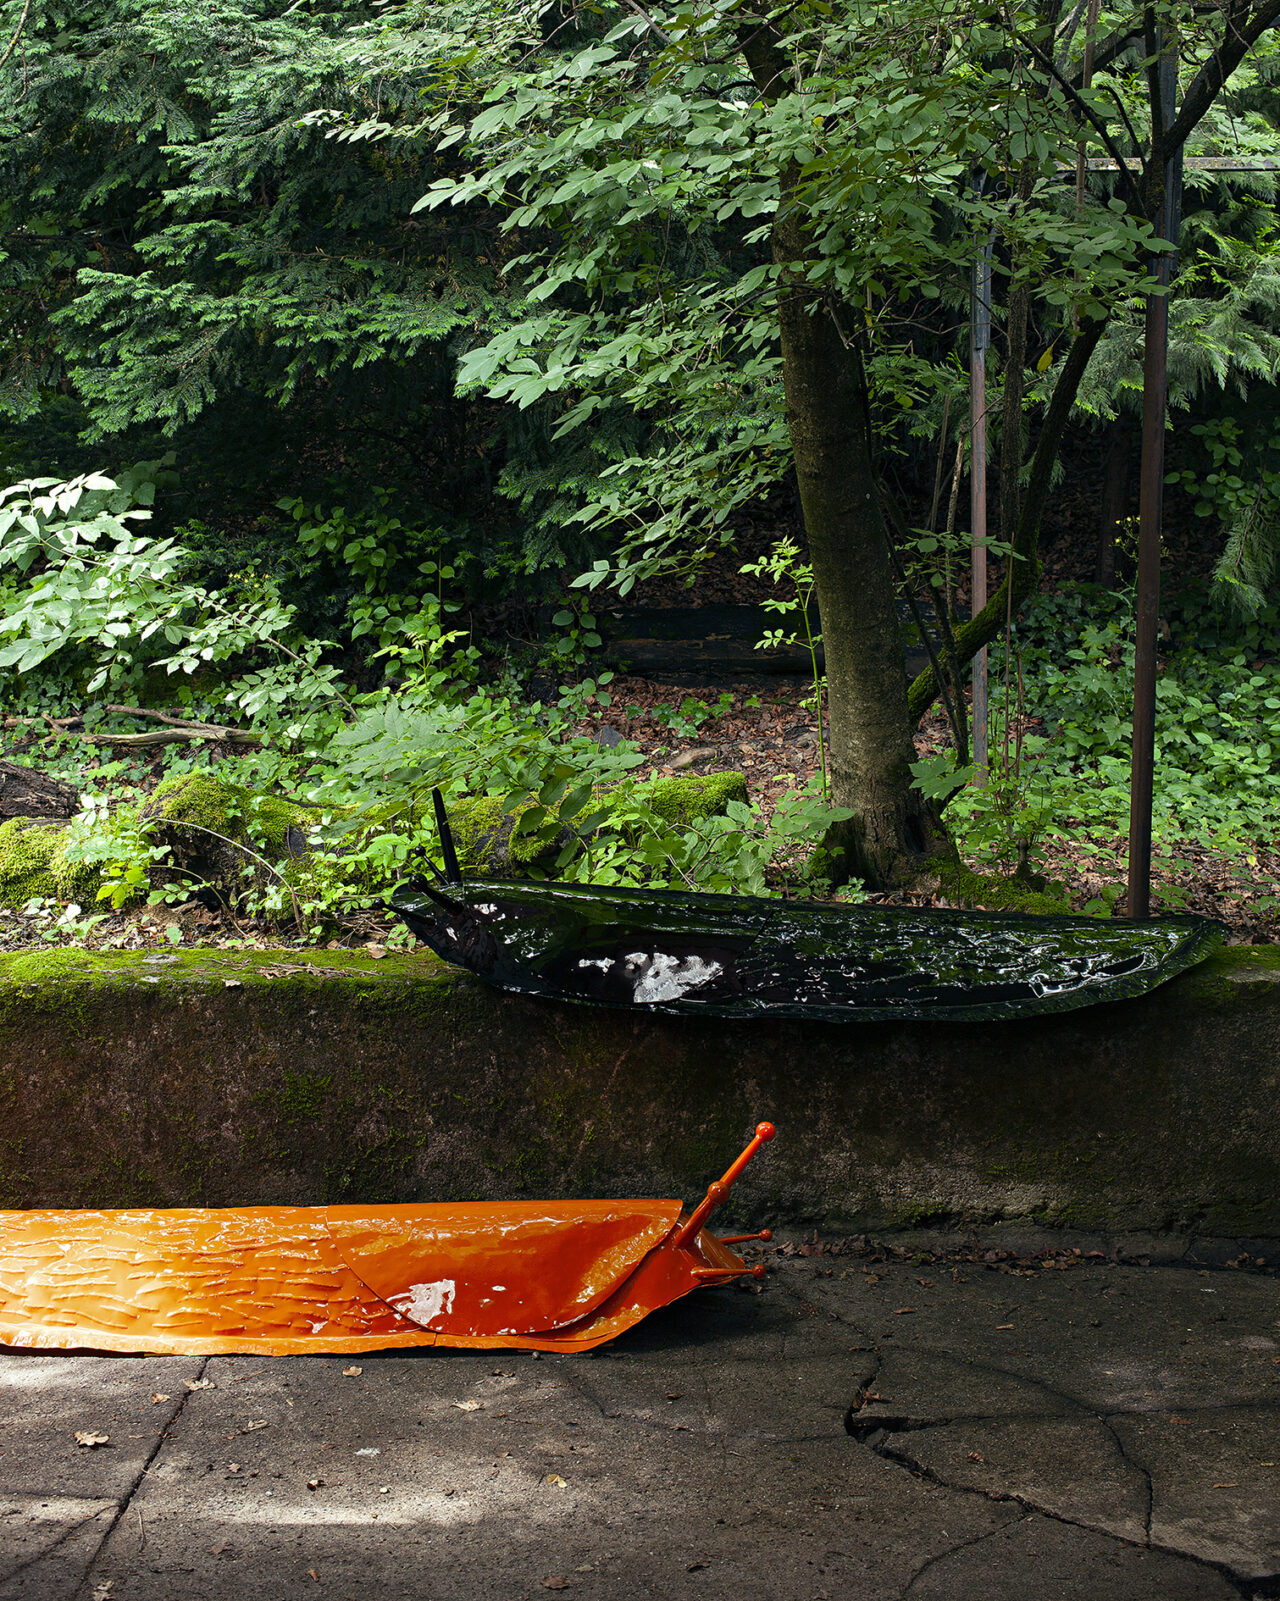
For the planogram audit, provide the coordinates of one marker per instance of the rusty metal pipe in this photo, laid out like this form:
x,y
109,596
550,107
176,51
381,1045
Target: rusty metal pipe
x,y
979,343
1155,399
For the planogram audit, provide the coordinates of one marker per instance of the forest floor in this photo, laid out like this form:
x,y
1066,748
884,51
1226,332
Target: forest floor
x,y
775,743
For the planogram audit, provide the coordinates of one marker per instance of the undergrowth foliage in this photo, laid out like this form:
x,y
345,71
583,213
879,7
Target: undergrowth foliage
x,y
1061,732
98,605
330,802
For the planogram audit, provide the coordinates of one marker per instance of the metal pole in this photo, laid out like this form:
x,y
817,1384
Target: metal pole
x,y
1155,395
979,341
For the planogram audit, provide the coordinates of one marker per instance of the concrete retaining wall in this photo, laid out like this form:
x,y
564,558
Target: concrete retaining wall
x,y
216,1077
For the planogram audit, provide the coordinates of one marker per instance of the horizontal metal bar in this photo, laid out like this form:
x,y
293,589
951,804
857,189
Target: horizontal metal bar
x,y
1190,164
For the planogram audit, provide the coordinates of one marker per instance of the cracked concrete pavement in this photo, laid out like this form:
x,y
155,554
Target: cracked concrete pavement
x,y
862,1430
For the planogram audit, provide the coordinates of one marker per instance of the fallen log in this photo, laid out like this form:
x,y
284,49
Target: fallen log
x,y
27,792
177,731
174,736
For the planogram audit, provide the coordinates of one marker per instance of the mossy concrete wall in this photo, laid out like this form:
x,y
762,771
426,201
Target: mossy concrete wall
x,y
219,1077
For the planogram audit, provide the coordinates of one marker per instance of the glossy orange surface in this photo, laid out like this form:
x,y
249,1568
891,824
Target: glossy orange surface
x,y
498,1269
291,1280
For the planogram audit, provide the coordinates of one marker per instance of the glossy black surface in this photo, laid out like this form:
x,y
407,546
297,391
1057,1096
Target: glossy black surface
x,y
741,956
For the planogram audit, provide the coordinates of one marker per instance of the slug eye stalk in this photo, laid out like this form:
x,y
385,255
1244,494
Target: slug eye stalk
x,y
718,1193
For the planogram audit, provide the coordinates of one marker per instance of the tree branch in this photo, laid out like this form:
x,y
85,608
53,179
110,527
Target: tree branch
x,y
17,34
1208,82
1114,45
171,736
1155,88
1089,114
190,725
645,17
1020,572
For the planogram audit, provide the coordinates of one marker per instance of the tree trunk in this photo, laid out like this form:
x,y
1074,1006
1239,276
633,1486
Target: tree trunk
x,y
895,833
1011,426
1017,316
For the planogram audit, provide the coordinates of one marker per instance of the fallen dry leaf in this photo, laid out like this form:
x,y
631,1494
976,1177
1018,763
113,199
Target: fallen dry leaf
x,y
157,1397
693,1567
200,1384
975,1456
376,951
352,1373
901,1311
312,1574
554,1478
469,1406
555,1582
89,1438
232,984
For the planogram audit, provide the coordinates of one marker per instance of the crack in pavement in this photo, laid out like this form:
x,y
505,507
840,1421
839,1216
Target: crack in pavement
x,y
48,1550
1249,1589
864,1431
1140,1467
1074,1402
902,1423
960,1545
127,1500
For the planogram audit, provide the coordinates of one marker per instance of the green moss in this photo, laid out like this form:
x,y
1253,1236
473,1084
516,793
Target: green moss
x,y
303,1096
211,826
1236,976
201,800
50,966
26,853
483,833
33,863
681,801
215,1077
967,888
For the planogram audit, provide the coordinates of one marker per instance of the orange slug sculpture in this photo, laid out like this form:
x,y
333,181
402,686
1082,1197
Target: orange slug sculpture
x,y
297,1280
